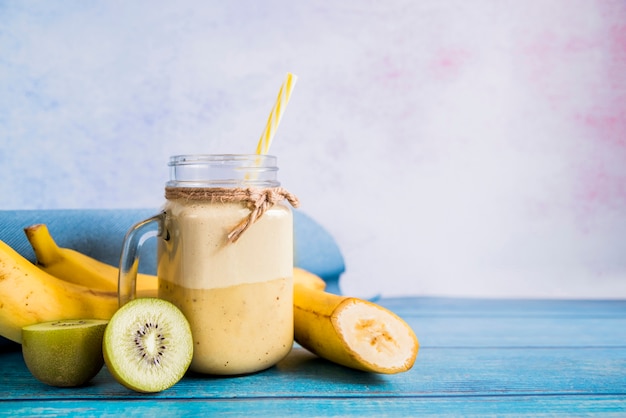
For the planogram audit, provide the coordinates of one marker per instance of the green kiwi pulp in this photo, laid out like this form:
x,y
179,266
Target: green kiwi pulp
x,y
64,353
148,345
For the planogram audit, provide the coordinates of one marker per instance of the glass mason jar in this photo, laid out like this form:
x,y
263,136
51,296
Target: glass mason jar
x,y
225,258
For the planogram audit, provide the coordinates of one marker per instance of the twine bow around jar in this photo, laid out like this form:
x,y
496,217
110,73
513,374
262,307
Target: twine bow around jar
x,y
258,200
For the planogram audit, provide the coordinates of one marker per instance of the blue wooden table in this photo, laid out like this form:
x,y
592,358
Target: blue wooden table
x,y
477,358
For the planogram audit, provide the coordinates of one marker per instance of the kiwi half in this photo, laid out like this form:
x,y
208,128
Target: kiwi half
x,y
148,345
64,353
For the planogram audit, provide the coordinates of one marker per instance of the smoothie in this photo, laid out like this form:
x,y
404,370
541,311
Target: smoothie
x,y
238,297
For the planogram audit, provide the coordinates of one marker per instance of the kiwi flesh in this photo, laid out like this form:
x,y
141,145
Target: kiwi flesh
x,y
147,345
64,353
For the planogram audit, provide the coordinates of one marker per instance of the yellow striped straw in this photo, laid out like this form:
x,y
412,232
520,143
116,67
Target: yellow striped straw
x,y
277,112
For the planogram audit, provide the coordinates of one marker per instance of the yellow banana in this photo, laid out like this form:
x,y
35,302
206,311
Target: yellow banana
x,y
29,295
352,332
308,279
76,267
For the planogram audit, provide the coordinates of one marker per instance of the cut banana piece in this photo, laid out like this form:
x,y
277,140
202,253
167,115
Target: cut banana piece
x,y
353,332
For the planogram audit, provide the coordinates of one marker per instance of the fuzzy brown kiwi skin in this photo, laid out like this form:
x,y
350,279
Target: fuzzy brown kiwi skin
x,y
67,353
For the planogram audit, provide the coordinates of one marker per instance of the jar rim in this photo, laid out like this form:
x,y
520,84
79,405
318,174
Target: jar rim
x,y
253,159
223,170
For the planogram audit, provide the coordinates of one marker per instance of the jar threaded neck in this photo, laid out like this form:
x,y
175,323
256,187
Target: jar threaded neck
x,y
223,170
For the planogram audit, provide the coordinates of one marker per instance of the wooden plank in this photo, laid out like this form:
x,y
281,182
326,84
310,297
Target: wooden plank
x,y
453,322
506,332
493,308
438,372
501,406
509,332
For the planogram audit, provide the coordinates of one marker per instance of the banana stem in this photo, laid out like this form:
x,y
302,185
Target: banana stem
x,y
46,249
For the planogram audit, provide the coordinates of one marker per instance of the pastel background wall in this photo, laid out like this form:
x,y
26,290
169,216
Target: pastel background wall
x,y
464,148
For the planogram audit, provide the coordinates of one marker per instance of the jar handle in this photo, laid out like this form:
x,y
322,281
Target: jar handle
x,y
129,259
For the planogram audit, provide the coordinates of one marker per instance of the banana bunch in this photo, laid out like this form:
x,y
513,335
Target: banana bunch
x,y
66,284
29,295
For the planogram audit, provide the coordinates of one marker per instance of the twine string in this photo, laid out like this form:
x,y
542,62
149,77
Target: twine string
x,y
256,199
